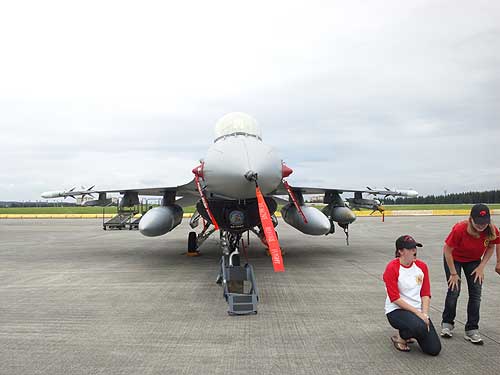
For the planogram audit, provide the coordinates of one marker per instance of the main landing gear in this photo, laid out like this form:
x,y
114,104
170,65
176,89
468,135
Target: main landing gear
x,y
194,240
192,244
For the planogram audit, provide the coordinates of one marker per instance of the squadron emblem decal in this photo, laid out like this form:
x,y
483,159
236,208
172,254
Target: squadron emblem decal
x,y
419,279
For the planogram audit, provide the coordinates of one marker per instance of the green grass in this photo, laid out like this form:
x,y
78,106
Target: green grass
x,y
56,210
436,206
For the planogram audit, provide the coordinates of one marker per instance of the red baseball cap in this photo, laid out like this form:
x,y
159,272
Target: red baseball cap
x,y
480,213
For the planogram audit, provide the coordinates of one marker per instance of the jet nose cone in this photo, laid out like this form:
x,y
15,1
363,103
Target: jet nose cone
x,y
232,165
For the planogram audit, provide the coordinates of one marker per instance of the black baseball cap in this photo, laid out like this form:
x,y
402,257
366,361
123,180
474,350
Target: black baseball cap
x,y
480,213
407,242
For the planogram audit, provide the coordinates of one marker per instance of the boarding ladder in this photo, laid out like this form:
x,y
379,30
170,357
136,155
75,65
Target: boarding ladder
x,y
120,221
235,280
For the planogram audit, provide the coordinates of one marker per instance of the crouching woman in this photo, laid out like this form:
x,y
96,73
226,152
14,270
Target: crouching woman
x,y
408,297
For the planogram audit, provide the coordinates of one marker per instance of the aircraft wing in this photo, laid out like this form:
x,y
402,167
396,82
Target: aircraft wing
x,y
188,192
281,190
189,188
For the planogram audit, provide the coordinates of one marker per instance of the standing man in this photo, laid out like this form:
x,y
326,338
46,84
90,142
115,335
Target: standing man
x,y
469,246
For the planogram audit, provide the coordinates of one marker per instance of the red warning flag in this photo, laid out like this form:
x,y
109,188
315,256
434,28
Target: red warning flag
x,y
269,233
205,202
198,173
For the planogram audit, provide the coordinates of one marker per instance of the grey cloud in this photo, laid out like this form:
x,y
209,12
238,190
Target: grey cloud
x,y
398,97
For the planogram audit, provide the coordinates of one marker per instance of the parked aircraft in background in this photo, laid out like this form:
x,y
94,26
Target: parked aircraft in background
x,y
236,189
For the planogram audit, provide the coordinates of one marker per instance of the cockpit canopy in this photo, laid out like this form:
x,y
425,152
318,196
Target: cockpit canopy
x,y
237,123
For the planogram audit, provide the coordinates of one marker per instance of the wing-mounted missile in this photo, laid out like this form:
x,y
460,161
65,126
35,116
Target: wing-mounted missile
x,y
52,194
160,220
401,192
316,222
408,193
59,194
393,192
69,193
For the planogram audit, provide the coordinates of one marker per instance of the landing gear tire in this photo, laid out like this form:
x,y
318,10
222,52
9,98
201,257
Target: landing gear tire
x,y
192,242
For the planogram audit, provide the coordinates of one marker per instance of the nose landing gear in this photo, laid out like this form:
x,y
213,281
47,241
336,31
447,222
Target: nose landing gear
x,y
235,278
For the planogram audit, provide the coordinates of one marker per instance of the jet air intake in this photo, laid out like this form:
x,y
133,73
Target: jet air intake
x,y
160,220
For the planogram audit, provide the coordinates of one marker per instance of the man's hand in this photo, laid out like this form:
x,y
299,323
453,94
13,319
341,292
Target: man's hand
x,y
497,268
478,274
453,281
425,318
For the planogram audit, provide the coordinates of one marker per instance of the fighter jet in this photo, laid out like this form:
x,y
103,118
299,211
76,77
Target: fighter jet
x,y
236,189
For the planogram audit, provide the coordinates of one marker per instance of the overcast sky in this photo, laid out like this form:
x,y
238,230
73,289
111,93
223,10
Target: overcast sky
x,y
352,93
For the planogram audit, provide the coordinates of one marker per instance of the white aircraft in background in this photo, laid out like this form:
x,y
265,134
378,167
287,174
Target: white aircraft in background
x,y
236,189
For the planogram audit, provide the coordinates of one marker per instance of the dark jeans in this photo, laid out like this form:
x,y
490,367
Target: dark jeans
x,y
450,304
411,326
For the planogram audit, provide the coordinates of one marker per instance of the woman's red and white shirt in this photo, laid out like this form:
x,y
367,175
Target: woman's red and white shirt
x,y
410,283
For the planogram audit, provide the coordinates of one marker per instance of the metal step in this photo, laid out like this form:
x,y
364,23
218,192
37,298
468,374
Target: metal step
x,y
242,304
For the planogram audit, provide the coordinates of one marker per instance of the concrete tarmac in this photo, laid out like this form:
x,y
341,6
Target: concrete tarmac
x,y
75,299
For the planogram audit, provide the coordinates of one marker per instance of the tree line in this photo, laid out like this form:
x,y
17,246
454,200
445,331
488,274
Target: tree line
x,y
492,196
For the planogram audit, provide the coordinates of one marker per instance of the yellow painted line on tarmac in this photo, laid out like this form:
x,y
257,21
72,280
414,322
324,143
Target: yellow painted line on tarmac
x,y
54,216
416,213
